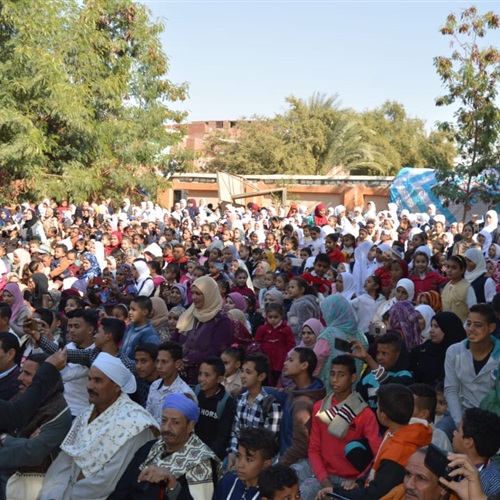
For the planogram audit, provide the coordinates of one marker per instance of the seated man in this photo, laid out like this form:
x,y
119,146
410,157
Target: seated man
x,y
102,439
10,355
29,451
395,409
179,461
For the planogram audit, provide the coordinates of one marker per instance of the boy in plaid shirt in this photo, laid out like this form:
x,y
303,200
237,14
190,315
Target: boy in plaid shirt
x,y
254,408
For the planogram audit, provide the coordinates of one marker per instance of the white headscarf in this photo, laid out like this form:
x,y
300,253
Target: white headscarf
x,y
494,221
476,256
349,286
427,312
408,285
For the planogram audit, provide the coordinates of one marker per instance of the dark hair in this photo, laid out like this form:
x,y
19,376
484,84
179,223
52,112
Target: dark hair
x,y
333,236
486,311
258,439
78,300
143,302
224,286
396,401
439,387
204,270
114,326
46,315
175,269
63,247
155,266
90,316
392,338
316,229
322,257
458,259
174,348
426,398
482,426
121,307
10,341
495,303
33,265
308,356
216,363
302,283
421,254
307,250
240,271
273,306
38,357
283,276
150,348
345,360
377,281
275,478
5,310
237,352
261,362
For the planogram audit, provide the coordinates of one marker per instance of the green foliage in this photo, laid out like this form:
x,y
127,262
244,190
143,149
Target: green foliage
x,y
316,135
471,76
83,94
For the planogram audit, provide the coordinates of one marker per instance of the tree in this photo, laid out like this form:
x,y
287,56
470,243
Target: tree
x,y
84,99
471,76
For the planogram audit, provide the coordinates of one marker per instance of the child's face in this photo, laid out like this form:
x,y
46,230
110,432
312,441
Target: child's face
x,y
314,235
294,291
231,364
372,254
120,314
329,245
190,267
249,463
241,279
304,255
8,298
307,232
273,318
370,285
136,314
308,336
453,270
420,264
387,355
269,280
280,283
348,240
401,293
441,405
208,378
270,240
321,268
249,376
230,304
287,493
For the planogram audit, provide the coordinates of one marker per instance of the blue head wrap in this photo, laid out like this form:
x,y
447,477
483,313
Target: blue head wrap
x,y
182,403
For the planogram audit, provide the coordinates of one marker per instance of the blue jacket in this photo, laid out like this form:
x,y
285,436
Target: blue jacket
x,y
225,485
138,335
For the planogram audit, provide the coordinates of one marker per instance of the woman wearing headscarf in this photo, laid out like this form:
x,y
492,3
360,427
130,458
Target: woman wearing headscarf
x,y
476,275
320,219
89,267
115,240
491,225
20,259
431,298
427,360
32,227
364,264
403,318
341,322
177,296
159,318
144,283
204,329
41,287
347,285
426,313
12,296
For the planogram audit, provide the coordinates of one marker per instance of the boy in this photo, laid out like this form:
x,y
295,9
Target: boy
x,y
254,408
139,330
168,363
217,407
316,278
332,249
59,266
395,408
469,366
333,435
256,449
387,368
145,367
279,482
478,437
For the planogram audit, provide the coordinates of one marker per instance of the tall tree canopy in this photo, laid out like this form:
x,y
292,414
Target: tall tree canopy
x,y
471,76
316,135
83,99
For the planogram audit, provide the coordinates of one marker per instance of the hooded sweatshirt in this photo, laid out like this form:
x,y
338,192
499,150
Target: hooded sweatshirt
x,y
302,309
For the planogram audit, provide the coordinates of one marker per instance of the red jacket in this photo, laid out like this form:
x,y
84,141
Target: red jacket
x,y
431,281
336,255
323,285
276,343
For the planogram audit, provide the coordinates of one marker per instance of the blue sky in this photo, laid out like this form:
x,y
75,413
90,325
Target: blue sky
x,y
243,58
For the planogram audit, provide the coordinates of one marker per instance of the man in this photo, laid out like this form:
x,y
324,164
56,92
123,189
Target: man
x,y
10,352
103,438
179,460
29,451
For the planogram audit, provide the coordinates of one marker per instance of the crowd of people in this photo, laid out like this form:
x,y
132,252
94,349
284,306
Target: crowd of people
x,y
246,352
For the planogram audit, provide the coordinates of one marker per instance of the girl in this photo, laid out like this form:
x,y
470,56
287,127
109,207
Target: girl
x,y
423,277
366,305
120,311
304,304
457,296
467,240
281,282
12,296
364,265
425,313
432,299
232,358
348,242
291,245
476,275
345,285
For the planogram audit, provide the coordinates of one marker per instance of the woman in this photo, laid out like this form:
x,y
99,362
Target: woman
x,y
32,227
177,296
12,296
204,329
89,267
20,259
341,322
346,286
476,275
144,283
115,241
427,360
404,319
159,318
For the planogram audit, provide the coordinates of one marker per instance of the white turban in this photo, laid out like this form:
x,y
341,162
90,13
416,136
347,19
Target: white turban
x,y
114,369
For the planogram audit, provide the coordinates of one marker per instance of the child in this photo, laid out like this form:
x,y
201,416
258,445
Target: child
x,y
304,305
139,330
332,249
317,244
279,482
256,449
441,404
280,282
276,339
241,285
458,295
254,408
73,303
59,266
423,277
317,277
269,282
168,363
120,311
366,305
217,407
348,242
232,358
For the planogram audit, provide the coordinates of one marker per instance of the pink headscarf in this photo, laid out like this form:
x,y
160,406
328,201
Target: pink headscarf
x,y
15,291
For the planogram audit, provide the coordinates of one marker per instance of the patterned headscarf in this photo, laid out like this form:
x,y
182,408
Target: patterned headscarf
x,y
95,268
404,319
